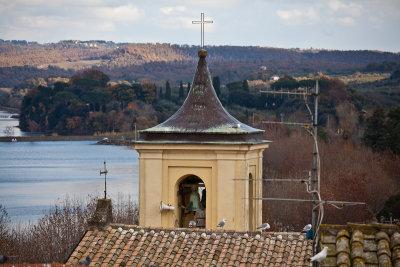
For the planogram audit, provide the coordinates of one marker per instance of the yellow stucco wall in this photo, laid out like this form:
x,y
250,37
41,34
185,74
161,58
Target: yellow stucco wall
x,y
163,166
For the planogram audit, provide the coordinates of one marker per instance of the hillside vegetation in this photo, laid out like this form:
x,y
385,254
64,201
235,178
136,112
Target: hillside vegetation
x,y
158,61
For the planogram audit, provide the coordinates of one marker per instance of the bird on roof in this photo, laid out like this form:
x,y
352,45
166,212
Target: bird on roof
x,y
3,258
320,256
222,223
85,262
307,228
264,226
192,224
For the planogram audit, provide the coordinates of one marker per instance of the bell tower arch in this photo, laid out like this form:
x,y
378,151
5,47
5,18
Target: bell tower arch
x,y
192,202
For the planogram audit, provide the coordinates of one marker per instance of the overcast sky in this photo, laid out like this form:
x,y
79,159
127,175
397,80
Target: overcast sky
x,y
330,24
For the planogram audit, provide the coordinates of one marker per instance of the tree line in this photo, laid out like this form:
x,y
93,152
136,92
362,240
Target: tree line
x,y
89,104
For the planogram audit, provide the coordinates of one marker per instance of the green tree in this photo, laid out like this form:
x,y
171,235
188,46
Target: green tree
x,y
167,91
234,86
395,75
375,131
34,109
99,122
123,94
217,85
149,92
137,88
90,79
60,86
64,97
98,98
393,128
391,208
155,89
245,86
286,82
181,91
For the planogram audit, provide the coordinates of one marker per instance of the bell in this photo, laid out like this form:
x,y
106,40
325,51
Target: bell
x,y
194,202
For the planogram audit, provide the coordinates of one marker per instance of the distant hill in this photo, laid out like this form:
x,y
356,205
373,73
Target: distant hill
x,y
165,61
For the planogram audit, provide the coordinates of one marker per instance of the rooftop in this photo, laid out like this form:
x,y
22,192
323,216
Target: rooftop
x,y
361,245
129,245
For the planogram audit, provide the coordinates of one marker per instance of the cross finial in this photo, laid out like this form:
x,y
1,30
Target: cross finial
x,y
105,179
202,22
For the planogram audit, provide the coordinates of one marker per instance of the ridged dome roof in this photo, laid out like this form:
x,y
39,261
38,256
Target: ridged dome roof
x,y
202,116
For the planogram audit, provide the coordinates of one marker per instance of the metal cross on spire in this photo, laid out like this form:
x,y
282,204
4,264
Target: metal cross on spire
x,y
202,22
105,179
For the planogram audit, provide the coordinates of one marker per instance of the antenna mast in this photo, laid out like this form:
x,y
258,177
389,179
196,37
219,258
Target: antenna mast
x,y
105,179
313,183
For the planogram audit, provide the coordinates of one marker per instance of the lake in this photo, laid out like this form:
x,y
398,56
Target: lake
x,y
35,175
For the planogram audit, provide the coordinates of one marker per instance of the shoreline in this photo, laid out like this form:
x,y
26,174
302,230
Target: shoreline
x,y
104,140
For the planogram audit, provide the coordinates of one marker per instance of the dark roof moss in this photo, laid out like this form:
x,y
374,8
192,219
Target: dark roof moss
x,y
202,116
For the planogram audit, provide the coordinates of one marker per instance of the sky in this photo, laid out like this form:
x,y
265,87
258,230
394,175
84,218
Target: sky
x,y
305,24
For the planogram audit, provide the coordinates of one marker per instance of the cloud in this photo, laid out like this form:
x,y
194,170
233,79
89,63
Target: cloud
x,y
183,23
346,20
352,9
298,16
172,9
213,3
60,3
105,26
335,5
120,13
48,22
344,13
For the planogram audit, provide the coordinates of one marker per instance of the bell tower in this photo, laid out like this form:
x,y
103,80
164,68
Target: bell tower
x,y
200,165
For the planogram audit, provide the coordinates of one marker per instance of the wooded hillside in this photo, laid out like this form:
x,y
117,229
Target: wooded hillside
x,y
157,61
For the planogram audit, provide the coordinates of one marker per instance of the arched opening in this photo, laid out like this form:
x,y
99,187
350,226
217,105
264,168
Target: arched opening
x,y
251,201
192,202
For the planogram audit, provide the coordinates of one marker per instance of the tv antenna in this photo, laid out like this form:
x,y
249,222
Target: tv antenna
x,y
105,179
313,181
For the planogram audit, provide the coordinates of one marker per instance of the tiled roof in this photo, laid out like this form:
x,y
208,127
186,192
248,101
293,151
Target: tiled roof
x,y
127,245
37,265
361,245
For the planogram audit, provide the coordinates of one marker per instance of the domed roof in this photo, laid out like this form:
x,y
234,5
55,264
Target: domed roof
x,y
202,117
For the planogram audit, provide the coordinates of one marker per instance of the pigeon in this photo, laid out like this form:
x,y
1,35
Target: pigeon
x,y
264,226
320,256
192,224
3,258
85,262
222,223
306,228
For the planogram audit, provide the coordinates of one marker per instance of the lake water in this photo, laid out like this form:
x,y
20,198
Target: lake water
x,y
35,175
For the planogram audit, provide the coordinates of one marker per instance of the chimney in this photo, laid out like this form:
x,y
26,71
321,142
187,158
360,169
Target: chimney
x,y
102,217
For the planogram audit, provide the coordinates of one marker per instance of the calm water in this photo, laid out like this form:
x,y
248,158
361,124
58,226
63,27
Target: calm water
x,y
35,175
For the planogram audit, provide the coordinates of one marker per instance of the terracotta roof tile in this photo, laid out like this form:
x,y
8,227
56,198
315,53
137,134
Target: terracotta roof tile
x,y
128,245
361,245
